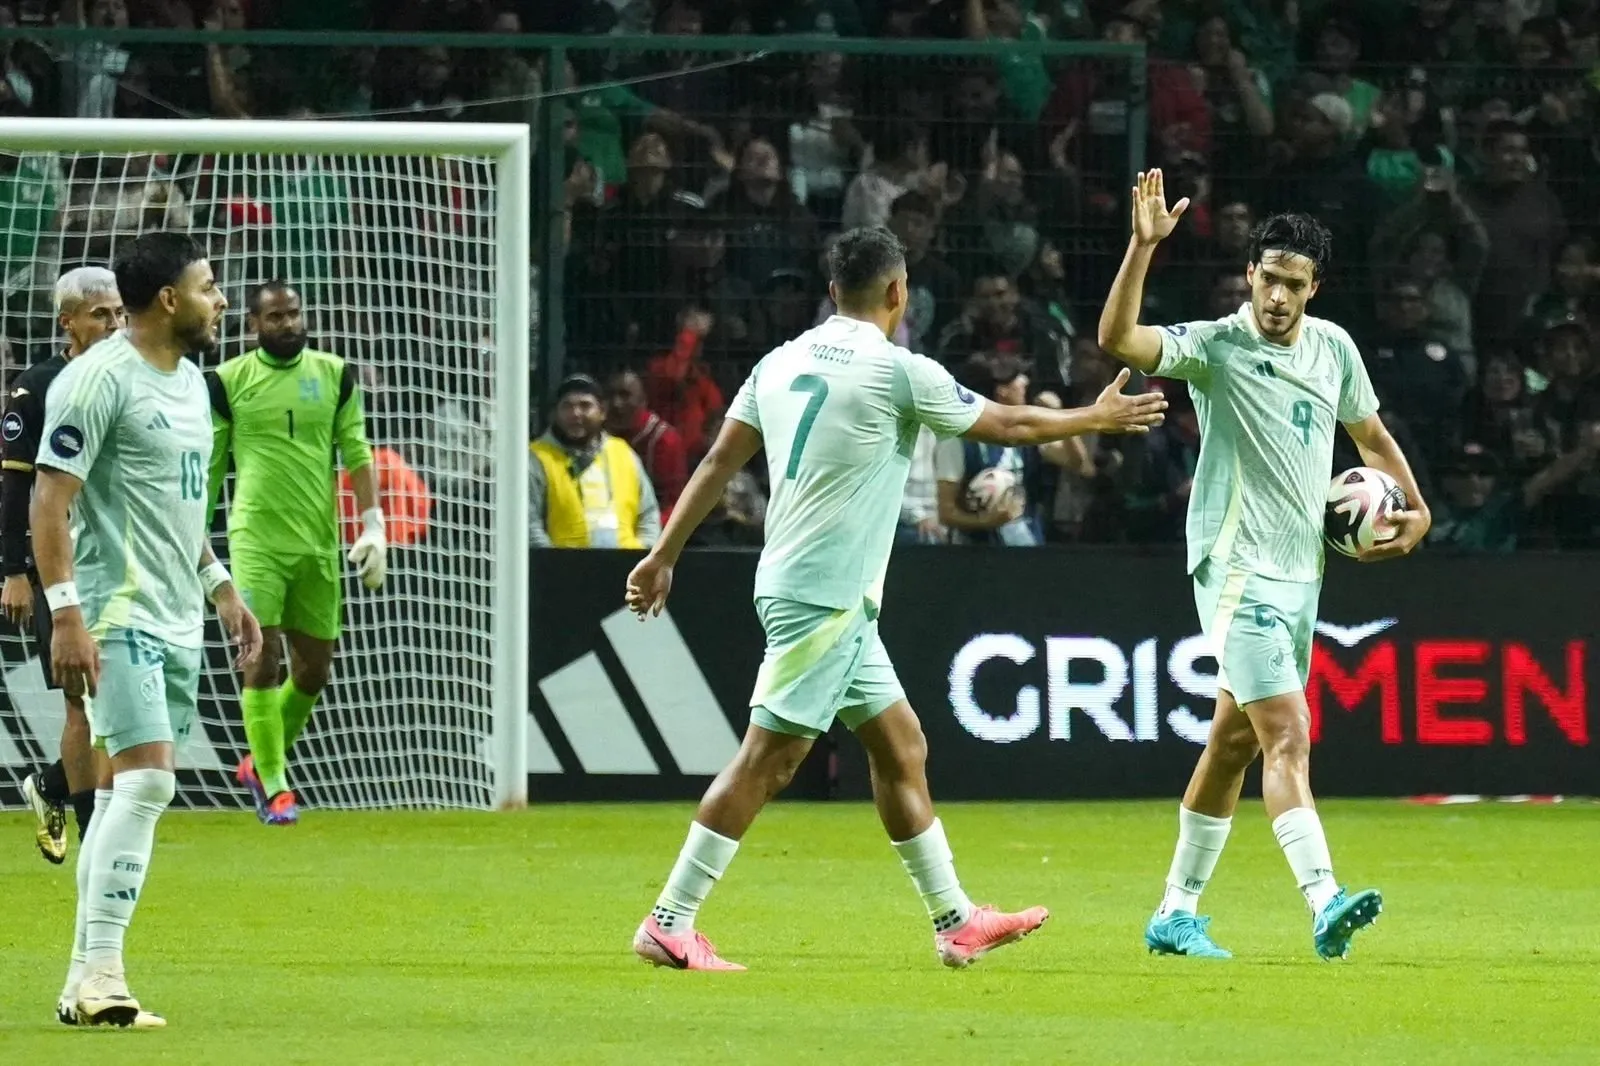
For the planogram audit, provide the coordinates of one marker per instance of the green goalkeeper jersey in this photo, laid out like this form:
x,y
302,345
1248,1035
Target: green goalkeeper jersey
x,y
283,420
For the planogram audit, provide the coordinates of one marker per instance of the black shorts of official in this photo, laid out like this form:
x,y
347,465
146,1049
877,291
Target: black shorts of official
x,y
43,629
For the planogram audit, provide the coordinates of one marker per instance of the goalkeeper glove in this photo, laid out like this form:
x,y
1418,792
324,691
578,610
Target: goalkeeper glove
x,y
370,555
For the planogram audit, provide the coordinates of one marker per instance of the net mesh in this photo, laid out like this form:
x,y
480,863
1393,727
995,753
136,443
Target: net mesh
x,y
394,258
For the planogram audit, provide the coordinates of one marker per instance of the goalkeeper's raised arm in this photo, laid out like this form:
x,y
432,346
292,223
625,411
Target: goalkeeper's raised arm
x,y
282,410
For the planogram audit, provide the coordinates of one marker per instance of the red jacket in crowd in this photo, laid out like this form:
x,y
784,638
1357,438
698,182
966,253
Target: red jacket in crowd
x,y
665,459
679,388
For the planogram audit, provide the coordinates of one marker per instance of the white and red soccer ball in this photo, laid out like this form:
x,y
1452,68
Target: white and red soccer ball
x,y
1360,501
988,487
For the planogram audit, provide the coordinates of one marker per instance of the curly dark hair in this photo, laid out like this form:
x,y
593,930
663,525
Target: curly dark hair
x,y
1295,234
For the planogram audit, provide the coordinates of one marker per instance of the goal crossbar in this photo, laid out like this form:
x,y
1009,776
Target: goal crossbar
x,y
508,145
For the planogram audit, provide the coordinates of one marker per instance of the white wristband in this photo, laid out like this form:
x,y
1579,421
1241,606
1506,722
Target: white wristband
x,y
213,577
62,595
372,520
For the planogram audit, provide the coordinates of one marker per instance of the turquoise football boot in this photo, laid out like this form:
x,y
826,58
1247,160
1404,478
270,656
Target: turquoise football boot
x,y
1181,933
1341,919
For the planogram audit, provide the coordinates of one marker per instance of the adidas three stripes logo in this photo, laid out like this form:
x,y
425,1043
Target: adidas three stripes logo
x,y
159,422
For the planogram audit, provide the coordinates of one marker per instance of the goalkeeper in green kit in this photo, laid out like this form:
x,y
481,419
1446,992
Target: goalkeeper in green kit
x,y
280,411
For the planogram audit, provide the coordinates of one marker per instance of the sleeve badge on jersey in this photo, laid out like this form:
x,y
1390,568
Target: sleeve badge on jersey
x,y
1176,331
963,395
11,428
67,441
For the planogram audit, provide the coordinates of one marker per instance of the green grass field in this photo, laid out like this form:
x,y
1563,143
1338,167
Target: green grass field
x,y
465,938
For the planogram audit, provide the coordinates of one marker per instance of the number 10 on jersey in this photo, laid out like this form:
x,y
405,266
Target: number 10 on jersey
x,y
191,477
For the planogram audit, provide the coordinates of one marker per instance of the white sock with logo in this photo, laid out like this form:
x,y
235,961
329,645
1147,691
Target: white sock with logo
x,y
1200,841
119,860
932,866
1299,833
79,969
701,863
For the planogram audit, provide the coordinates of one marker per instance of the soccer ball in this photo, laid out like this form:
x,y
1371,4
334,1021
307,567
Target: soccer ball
x,y
1360,501
988,487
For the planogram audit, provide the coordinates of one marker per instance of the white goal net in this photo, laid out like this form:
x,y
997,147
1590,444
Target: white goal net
x,y
400,263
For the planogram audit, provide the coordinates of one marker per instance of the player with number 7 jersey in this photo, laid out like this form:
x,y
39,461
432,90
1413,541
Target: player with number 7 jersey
x,y
837,411
282,411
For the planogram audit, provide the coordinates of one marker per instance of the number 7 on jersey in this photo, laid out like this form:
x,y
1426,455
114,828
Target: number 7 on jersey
x,y
817,389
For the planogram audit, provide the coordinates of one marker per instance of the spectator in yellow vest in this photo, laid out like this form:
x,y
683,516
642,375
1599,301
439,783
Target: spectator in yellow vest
x,y
586,488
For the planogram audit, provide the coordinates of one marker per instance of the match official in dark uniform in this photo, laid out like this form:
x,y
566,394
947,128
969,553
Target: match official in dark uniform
x,y
89,310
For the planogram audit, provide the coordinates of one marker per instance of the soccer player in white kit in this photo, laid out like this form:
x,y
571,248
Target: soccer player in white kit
x,y
838,411
1271,384
126,442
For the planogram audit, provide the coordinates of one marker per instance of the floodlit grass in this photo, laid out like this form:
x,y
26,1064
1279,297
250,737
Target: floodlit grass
x,y
465,938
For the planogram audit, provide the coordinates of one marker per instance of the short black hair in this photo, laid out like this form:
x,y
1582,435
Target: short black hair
x,y
253,301
150,263
582,384
1295,234
987,268
863,256
914,202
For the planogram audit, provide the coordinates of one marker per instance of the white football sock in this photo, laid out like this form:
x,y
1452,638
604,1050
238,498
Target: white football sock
x,y
1299,833
79,969
120,859
700,866
1200,841
929,861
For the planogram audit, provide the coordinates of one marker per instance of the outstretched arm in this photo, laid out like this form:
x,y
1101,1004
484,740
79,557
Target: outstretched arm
x,y
1120,332
651,580
1113,412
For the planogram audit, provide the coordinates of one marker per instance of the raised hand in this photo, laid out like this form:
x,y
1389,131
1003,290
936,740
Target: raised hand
x,y
1122,412
1152,221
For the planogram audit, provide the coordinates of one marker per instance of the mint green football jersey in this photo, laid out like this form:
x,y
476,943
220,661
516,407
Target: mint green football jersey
x,y
140,440
1268,415
839,409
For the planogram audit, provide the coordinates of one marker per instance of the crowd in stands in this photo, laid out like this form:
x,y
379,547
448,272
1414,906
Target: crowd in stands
x,y
1444,142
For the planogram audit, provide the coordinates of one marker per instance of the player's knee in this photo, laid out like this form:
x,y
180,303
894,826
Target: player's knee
x,y
907,757
771,769
155,787
1234,748
310,677
1287,742
263,673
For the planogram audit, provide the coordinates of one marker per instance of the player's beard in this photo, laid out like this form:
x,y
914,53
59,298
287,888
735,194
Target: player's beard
x,y
198,337
1274,330
283,345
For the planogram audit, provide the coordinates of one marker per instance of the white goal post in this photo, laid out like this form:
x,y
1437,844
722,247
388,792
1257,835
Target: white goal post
x,y
428,227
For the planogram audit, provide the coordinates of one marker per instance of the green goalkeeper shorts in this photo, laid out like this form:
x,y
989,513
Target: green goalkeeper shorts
x,y
296,592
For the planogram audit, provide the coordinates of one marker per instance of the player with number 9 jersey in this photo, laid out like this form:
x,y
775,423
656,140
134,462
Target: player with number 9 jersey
x,y
1271,385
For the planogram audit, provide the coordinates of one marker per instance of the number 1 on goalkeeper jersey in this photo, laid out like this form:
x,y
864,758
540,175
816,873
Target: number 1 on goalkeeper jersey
x,y
282,411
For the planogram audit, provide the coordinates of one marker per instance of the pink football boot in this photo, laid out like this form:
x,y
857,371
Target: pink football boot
x,y
983,931
686,951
